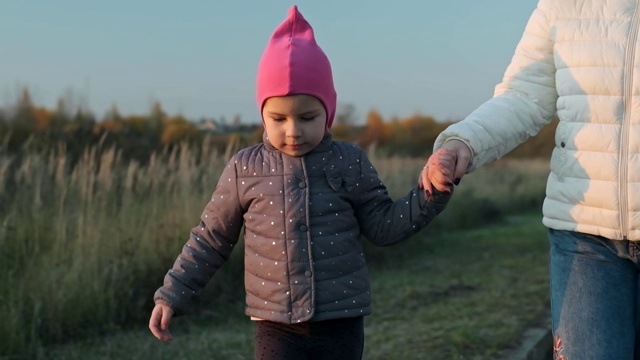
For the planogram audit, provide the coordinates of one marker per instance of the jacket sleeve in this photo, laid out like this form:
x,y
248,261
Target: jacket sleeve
x,y
209,245
522,104
386,222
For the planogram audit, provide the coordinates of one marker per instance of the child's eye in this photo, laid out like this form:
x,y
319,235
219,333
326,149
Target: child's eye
x,y
278,119
308,118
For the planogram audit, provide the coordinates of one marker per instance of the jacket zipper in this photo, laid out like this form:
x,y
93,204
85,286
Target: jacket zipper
x,y
626,122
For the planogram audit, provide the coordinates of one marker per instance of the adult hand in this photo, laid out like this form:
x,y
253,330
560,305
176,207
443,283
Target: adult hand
x,y
159,322
445,167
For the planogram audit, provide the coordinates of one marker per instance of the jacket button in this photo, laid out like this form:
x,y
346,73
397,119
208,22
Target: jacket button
x,y
307,273
303,228
301,185
562,144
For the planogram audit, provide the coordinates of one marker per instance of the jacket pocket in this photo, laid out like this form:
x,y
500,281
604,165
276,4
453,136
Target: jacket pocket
x,y
560,153
339,182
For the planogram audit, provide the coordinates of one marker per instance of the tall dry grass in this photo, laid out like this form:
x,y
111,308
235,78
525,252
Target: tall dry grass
x,y
85,242
82,245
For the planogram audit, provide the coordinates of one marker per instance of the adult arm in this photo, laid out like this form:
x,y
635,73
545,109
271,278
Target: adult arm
x,y
522,104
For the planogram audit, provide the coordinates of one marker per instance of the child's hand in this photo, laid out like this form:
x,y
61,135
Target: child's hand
x,y
445,167
159,322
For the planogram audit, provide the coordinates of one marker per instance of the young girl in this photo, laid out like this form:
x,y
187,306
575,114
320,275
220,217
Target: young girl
x,y
305,201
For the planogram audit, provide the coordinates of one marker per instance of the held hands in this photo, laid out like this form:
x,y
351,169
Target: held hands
x,y
159,322
445,167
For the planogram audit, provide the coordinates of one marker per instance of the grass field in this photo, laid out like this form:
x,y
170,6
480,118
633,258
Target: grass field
x,y
456,295
85,241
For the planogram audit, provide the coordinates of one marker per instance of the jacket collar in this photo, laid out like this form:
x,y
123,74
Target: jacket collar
x,y
325,144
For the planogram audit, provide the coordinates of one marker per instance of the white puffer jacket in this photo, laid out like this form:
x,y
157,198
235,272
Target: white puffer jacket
x,y
581,60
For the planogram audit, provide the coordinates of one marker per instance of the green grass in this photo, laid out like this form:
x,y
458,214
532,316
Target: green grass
x,y
85,242
457,295
465,295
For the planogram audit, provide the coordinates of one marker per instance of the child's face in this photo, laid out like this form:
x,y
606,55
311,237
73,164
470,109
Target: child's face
x,y
295,124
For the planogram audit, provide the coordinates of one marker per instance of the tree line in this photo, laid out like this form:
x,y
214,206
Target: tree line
x,y
25,126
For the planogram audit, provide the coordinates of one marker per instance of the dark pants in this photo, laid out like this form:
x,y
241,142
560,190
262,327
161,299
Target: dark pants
x,y
320,340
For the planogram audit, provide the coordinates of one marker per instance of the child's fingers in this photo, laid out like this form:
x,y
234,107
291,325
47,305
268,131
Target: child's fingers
x,y
167,314
154,322
159,322
460,154
439,170
424,182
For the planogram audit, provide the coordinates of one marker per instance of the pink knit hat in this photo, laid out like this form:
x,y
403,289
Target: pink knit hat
x,y
293,63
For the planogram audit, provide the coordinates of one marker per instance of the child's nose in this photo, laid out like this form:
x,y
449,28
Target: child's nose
x,y
294,129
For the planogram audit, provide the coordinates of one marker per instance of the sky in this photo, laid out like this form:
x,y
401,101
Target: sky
x,y
198,58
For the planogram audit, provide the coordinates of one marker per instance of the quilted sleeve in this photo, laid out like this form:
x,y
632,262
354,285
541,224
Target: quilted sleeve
x,y
523,102
209,245
384,221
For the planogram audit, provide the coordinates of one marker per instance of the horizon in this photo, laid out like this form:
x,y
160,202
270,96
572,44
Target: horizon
x,y
199,59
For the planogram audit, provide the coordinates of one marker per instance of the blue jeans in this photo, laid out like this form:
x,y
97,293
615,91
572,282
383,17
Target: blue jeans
x,y
594,297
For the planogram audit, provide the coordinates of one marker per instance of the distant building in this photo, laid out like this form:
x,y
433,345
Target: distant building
x,y
208,125
212,126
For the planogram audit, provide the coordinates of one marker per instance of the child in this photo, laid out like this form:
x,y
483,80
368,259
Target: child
x,y
305,201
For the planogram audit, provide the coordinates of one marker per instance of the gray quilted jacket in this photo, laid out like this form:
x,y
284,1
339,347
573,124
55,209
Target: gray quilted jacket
x,y
303,217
